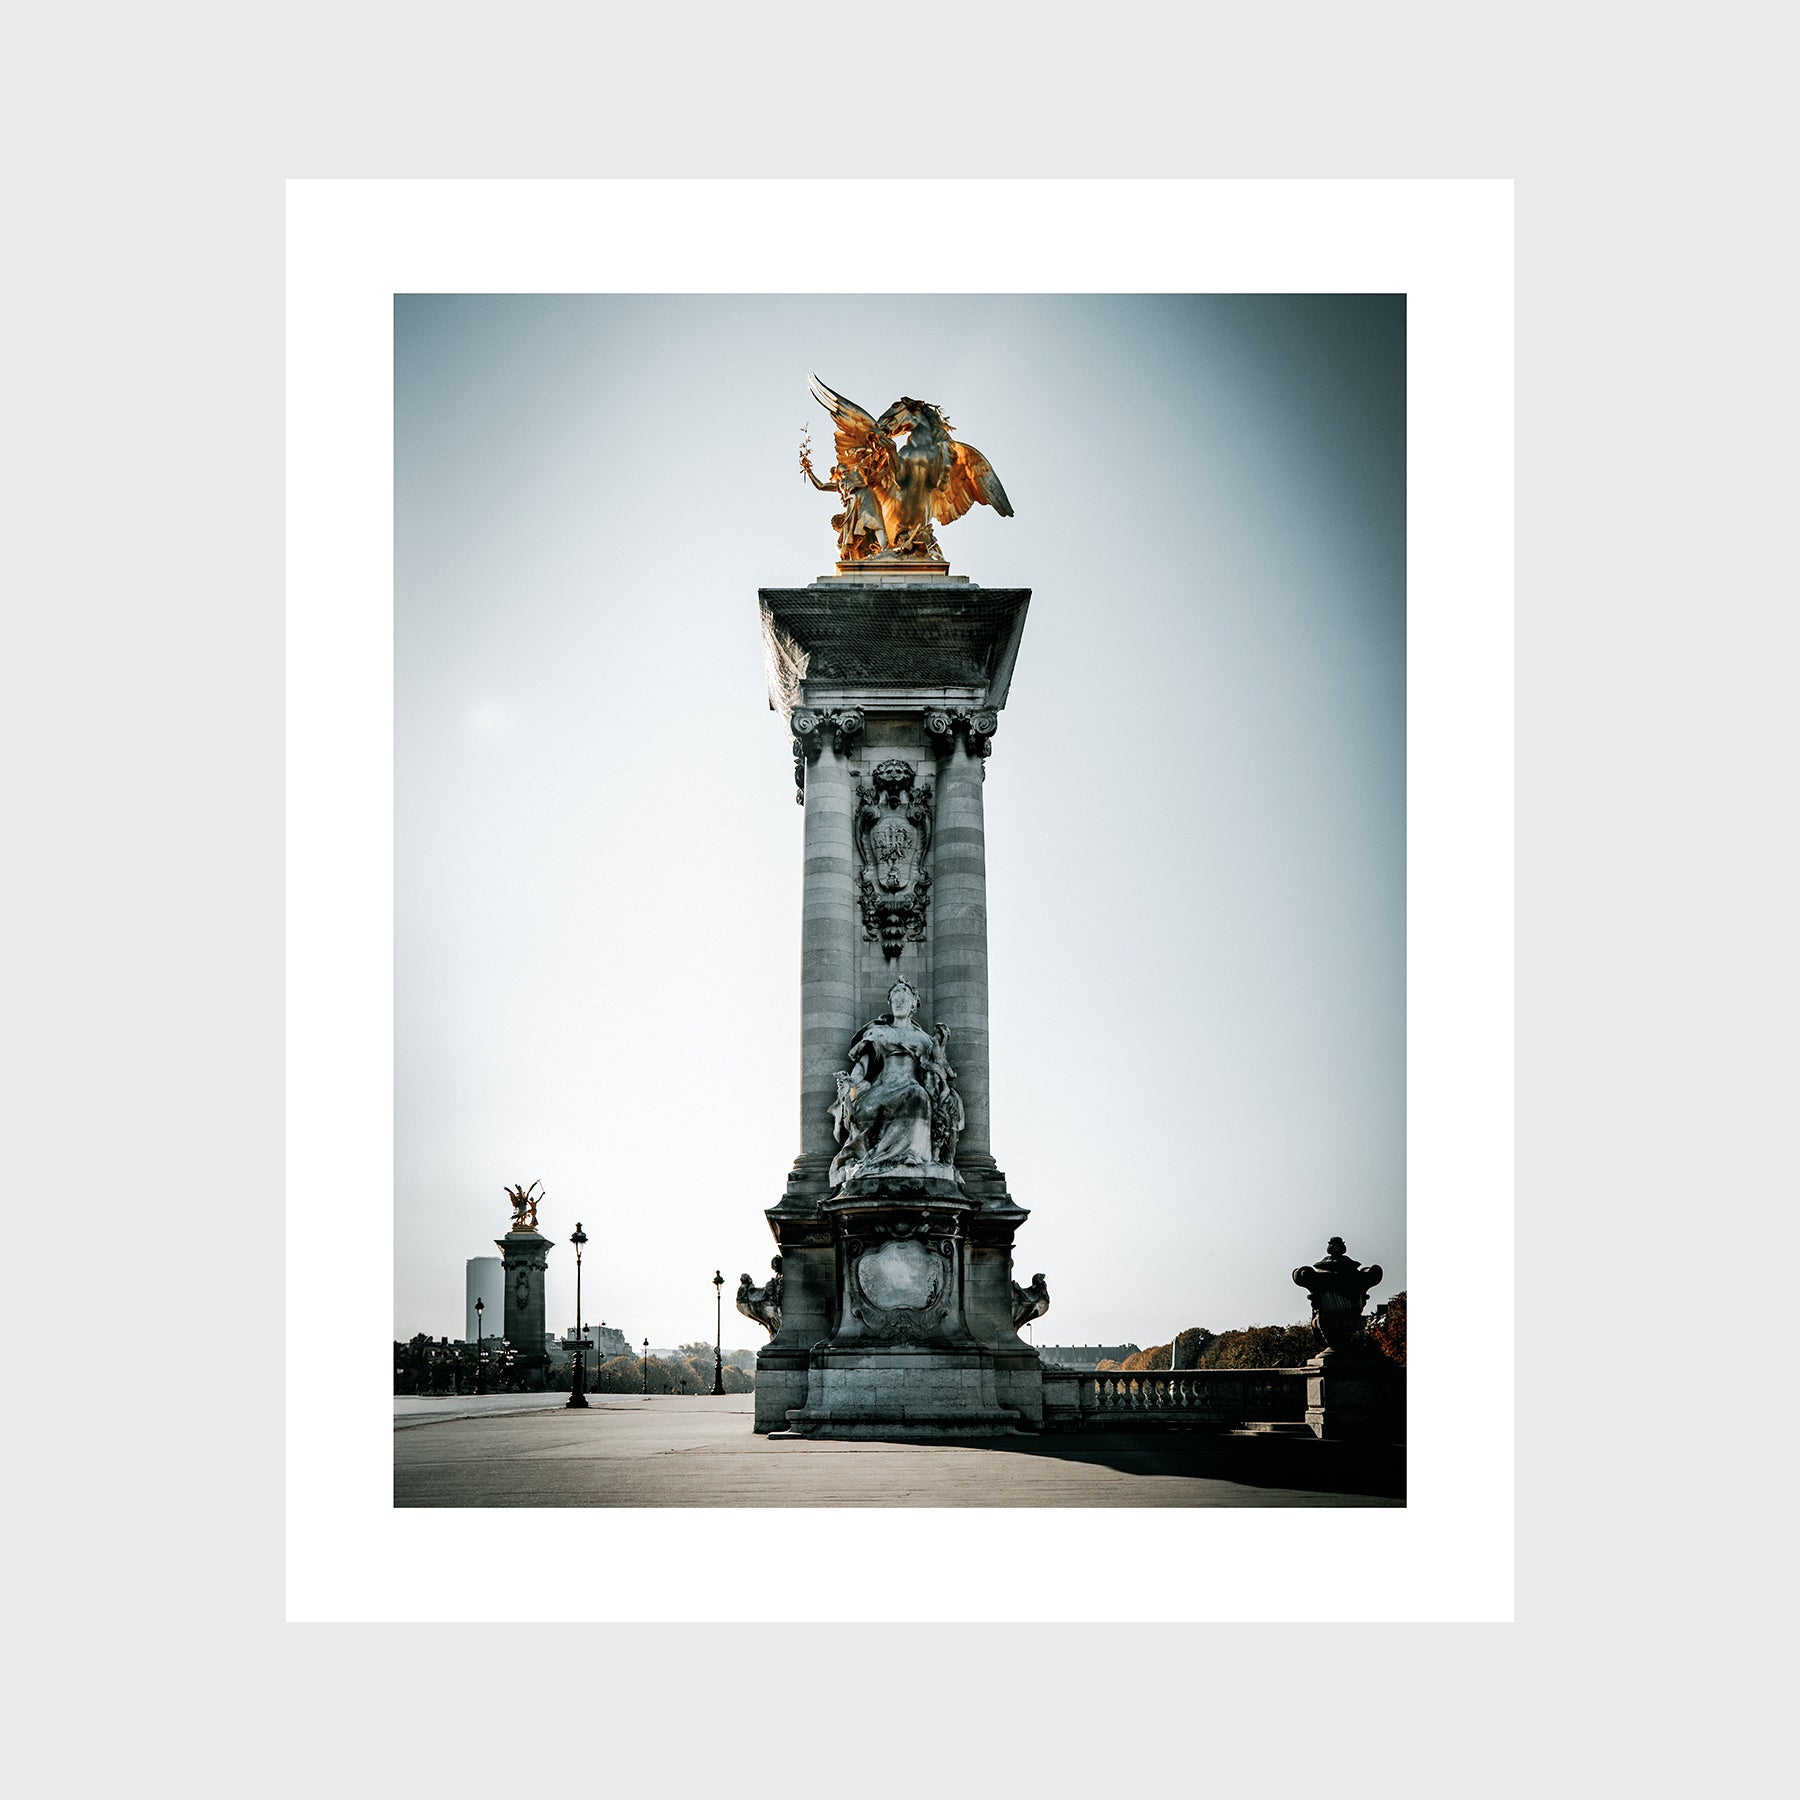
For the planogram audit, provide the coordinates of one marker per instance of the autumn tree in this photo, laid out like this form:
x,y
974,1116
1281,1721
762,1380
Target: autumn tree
x,y
1262,1347
1387,1330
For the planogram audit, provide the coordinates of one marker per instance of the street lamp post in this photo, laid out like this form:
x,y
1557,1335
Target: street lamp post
x,y
646,1368
718,1332
578,1382
480,1308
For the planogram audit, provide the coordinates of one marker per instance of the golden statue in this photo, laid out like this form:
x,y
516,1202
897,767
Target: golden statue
x,y
524,1204
899,475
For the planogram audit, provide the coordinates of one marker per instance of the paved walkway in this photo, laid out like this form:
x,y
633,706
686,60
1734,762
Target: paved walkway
x,y
694,1450
415,1409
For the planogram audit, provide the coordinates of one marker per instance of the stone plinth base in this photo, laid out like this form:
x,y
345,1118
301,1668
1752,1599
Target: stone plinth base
x,y
904,1393
1355,1395
869,569
897,1316
780,1387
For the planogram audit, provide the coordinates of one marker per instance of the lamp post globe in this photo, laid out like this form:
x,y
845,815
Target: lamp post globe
x,y
646,1368
718,1332
578,1381
480,1308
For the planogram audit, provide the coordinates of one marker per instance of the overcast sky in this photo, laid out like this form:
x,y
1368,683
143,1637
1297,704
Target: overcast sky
x,y
1195,804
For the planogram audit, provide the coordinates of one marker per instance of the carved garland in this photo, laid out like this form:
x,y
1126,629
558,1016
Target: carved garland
x,y
978,730
809,729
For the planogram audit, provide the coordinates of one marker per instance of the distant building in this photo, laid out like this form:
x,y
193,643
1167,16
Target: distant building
x,y
483,1280
603,1343
1084,1356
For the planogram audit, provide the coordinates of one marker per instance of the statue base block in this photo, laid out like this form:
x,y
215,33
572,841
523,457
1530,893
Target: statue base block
x,y
1355,1395
896,569
897,1318
903,1393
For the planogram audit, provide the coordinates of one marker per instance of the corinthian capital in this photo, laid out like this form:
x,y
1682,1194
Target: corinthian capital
x,y
977,728
811,729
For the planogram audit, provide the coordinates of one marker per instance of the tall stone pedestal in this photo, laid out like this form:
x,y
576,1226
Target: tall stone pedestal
x,y
896,1314
523,1258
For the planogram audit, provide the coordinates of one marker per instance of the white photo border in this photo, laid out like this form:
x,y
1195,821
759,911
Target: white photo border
x,y
1448,245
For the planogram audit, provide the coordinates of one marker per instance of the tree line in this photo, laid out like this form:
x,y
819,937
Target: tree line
x,y
689,1371
429,1366
1267,1346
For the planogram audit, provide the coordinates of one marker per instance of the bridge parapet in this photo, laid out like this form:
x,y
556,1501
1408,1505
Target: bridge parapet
x,y
1225,1398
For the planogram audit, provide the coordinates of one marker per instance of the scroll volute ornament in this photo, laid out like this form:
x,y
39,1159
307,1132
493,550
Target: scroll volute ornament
x,y
977,728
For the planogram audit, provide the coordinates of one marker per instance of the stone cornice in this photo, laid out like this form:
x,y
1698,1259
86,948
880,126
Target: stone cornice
x,y
892,634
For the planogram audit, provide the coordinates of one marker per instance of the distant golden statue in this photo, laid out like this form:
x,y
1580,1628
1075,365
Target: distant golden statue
x,y
898,476
524,1204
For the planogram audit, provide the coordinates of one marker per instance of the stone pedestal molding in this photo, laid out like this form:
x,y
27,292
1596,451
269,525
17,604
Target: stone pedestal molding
x,y
897,1302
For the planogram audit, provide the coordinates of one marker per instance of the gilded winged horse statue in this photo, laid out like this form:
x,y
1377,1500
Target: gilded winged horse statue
x,y
900,475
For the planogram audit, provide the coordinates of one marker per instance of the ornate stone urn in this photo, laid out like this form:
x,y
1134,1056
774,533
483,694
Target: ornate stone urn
x,y
1352,1391
1339,1290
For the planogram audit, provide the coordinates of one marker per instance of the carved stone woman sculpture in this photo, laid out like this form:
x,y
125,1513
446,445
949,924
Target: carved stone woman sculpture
x,y
897,1107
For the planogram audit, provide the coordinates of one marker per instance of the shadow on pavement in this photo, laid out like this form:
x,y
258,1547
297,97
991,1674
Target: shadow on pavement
x,y
1305,1464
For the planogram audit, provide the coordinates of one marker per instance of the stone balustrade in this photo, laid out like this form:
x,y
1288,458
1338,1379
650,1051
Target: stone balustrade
x,y
1139,1397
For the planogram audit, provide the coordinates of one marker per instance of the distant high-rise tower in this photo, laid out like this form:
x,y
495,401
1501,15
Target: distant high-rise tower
x,y
483,1279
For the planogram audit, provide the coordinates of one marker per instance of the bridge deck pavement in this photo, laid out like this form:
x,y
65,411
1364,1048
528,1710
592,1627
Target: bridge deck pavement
x,y
694,1450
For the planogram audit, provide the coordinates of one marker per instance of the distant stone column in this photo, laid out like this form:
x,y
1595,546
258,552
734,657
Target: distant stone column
x,y
959,921
524,1256
828,931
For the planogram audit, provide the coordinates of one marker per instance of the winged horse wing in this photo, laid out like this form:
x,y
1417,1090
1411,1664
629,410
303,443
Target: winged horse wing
x,y
971,478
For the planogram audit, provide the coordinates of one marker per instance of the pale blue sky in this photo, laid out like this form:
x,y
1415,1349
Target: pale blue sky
x,y
1195,804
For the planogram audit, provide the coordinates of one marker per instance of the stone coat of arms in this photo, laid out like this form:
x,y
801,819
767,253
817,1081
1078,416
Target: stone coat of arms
x,y
893,838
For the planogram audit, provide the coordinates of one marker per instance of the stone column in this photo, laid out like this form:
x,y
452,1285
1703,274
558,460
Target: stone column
x,y
828,933
524,1256
914,653
823,742
959,930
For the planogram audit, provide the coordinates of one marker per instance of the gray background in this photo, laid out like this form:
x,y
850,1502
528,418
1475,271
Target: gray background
x,y
1195,803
